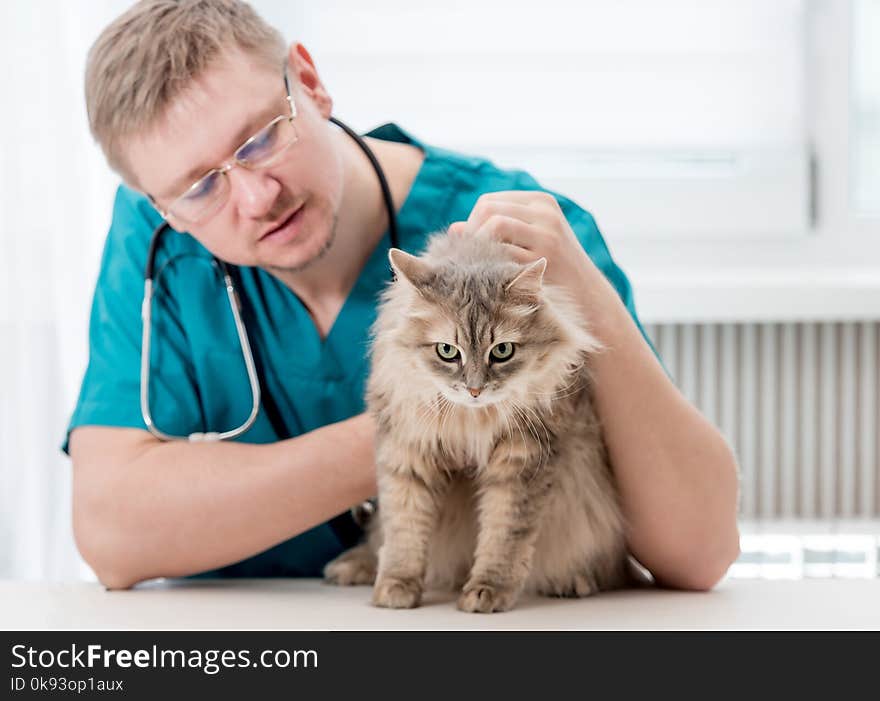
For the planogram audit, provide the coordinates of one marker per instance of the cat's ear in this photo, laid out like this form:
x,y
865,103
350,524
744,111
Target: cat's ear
x,y
412,269
528,280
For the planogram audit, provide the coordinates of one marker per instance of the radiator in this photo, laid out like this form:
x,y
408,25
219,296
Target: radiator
x,y
798,403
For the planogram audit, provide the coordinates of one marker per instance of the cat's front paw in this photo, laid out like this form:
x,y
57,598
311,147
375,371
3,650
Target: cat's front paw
x,y
485,597
397,593
355,566
580,585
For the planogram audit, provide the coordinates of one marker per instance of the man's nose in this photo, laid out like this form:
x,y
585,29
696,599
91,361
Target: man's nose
x,y
255,191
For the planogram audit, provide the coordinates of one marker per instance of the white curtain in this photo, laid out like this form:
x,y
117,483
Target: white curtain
x,y
55,202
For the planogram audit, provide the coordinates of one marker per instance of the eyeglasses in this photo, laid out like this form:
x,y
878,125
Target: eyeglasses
x,y
209,193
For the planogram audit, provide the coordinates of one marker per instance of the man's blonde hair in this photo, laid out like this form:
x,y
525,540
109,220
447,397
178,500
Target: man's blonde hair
x,y
150,54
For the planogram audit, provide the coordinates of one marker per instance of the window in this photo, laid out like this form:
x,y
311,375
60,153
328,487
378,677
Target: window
x,y
714,141
808,551
633,108
866,106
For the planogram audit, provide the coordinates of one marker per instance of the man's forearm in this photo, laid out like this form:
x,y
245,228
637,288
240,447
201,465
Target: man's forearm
x,y
677,475
180,508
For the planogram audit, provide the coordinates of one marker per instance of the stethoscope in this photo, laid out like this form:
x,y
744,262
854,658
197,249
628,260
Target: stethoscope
x,y
259,392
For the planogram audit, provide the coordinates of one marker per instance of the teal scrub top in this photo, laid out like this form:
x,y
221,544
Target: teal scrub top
x,y
198,378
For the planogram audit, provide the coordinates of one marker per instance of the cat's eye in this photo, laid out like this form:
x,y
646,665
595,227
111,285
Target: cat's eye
x,y
447,352
501,352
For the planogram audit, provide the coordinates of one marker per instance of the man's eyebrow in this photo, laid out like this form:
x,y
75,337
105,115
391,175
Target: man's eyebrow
x,y
254,123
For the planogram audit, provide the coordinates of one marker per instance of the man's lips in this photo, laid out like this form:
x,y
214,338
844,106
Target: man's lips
x,y
284,222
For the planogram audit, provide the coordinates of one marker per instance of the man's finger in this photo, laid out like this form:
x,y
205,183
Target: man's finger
x,y
521,196
485,210
509,230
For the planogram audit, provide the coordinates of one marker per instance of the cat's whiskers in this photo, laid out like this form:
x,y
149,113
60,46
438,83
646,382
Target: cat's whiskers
x,y
444,409
548,399
508,429
525,411
424,409
519,413
523,438
526,408
427,413
528,424
575,385
447,410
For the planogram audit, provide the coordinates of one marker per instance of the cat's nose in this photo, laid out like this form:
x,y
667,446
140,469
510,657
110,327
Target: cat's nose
x,y
475,391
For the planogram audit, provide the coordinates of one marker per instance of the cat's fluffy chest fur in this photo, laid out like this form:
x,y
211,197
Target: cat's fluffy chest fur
x,y
462,439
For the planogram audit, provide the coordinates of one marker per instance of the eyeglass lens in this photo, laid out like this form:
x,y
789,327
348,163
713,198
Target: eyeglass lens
x,y
259,151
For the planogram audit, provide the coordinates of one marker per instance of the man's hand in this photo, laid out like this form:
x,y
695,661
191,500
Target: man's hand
x,y
532,224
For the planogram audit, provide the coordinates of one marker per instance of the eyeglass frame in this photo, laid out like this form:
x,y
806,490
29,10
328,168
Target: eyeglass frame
x,y
225,167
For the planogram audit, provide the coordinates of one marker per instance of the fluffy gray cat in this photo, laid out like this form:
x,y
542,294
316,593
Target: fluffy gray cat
x,y
493,475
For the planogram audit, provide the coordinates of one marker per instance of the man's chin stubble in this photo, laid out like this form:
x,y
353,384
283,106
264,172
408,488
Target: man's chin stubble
x,y
305,265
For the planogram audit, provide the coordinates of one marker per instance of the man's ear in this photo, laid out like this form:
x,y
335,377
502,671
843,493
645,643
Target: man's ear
x,y
529,279
410,268
301,72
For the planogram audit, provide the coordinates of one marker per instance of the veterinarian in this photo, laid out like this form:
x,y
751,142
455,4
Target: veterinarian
x,y
190,105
